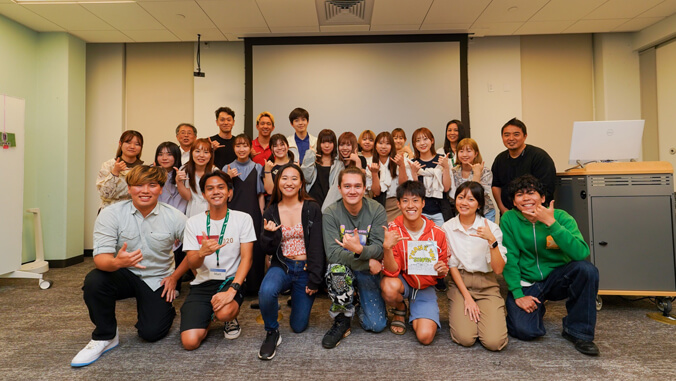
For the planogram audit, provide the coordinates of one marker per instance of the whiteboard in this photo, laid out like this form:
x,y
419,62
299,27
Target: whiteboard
x,y
11,184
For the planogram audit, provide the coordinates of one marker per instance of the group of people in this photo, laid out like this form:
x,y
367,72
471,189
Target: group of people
x,y
368,220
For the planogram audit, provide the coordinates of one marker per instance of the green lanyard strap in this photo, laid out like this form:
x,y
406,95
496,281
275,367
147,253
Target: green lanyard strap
x,y
220,237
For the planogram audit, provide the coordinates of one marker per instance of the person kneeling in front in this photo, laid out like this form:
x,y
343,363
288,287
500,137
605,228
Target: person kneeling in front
x,y
546,261
219,245
133,258
415,256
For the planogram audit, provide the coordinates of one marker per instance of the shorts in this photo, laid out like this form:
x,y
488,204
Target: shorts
x,y
422,303
196,312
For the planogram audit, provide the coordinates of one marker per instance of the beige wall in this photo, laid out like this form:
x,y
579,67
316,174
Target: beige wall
x,y
159,91
666,96
557,89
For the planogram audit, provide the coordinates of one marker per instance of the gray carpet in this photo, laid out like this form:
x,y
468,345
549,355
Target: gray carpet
x,y
41,330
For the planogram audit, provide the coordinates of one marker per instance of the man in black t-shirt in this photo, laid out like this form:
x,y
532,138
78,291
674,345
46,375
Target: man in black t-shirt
x,y
520,159
224,150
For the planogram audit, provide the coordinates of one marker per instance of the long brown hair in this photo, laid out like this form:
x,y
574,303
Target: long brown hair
x,y
422,131
324,136
276,196
393,151
191,166
126,137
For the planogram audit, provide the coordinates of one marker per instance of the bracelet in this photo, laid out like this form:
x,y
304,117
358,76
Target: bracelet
x,y
266,172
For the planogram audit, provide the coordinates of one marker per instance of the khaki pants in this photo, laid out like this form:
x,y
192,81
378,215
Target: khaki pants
x,y
392,209
491,330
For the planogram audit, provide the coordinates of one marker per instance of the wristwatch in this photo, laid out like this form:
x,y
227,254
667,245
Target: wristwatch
x,y
494,244
236,286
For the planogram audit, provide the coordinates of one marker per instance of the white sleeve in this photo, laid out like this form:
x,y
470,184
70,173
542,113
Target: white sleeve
x,y
246,230
190,235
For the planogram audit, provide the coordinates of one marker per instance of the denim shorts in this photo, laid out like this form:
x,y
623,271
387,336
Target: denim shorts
x,y
422,303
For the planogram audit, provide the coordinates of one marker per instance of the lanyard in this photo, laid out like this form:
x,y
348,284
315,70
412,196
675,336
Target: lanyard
x,y
220,237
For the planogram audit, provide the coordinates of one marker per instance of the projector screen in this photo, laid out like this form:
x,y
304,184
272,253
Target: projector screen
x,y
358,86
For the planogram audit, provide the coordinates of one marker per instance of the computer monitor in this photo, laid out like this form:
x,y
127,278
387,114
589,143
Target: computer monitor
x,y
608,140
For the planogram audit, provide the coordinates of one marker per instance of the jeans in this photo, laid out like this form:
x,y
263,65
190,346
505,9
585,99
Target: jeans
x,y
277,280
578,281
490,215
438,218
342,286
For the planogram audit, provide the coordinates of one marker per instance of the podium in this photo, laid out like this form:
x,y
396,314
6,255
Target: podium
x,y
625,211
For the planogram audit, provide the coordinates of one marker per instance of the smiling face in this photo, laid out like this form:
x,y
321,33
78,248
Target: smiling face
x,y
327,148
242,150
280,150
131,149
352,189
144,196
265,126
466,204
466,155
201,155
383,148
366,143
300,125
216,192
290,182
513,138
165,159
423,144
452,133
411,207
225,122
345,149
399,141
528,200
186,137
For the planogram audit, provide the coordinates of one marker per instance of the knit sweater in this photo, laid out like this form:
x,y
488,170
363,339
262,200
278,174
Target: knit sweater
x,y
530,257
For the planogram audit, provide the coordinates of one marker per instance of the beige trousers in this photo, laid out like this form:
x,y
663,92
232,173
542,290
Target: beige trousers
x,y
491,330
392,209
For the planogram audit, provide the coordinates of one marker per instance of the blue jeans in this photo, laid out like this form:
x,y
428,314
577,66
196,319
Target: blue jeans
x,y
490,215
578,281
277,280
438,218
372,314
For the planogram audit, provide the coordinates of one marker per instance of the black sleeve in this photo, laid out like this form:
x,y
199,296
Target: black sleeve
x,y
363,162
270,240
316,259
544,169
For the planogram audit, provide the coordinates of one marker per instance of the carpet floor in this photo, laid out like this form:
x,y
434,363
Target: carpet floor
x,y
41,331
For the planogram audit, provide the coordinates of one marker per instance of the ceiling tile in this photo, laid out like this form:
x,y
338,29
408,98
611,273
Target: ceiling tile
x,y
495,29
663,9
25,17
297,15
558,10
399,12
124,16
206,34
233,16
594,26
447,28
70,16
454,12
618,9
178,15
506,11
107,36
152,36
295,29
544,27
639,23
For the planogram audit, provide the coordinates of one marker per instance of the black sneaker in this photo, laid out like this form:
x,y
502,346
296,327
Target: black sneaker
x,y
583,346
340,329
269,347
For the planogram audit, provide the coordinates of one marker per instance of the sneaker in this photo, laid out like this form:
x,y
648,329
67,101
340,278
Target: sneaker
x,y
340,329
583,346
269,347
231,329
93,351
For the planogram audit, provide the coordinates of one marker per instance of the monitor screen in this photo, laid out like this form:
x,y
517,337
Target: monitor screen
x,y
609,140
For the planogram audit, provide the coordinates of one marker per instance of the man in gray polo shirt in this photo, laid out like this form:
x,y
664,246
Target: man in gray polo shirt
x,y
133,258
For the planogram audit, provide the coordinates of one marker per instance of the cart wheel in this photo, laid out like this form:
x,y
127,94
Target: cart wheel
x,y
664,305
599,302
45,284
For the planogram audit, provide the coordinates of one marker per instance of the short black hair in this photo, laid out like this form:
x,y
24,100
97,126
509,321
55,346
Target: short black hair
x,y
525,183
226,110
411,188
477,192
298,112
218,173
516,123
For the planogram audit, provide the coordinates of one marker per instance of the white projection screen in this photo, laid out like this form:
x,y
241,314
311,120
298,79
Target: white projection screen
x,y
356,86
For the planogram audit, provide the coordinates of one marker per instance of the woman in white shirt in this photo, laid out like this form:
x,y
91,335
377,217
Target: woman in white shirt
x,y
476,308
188,177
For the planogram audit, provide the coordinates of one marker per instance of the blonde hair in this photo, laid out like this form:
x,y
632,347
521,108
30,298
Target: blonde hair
x,y
263,114
145,174
471,143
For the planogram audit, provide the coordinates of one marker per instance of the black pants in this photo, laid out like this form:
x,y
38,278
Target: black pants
x,y
102,289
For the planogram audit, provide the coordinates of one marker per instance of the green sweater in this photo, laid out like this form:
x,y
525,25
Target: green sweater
x,y
369,222
528,258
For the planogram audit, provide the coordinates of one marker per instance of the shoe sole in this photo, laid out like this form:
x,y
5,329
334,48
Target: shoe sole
x,y
279,341
79,365
232,337
346,334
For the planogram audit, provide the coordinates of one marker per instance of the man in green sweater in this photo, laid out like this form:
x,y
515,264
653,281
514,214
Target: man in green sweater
x,y
353,239
546,261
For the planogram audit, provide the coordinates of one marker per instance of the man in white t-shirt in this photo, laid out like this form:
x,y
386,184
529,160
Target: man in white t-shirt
x,y
219,246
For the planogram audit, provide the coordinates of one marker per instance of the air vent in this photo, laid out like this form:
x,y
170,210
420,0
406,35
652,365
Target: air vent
x,y
344,12
632,180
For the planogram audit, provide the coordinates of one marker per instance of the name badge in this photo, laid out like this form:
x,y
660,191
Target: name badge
x,y
216,274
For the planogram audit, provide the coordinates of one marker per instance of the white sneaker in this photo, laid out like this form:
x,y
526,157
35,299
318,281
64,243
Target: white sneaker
x,y
231,329
93,351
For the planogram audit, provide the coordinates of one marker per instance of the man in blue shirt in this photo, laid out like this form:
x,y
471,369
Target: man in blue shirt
x,y
301,140
133,258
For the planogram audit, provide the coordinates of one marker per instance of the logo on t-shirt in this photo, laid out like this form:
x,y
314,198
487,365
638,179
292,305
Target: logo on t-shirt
x,y
363,234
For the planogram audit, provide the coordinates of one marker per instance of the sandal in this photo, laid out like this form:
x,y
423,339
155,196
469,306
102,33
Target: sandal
x,y
398,323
